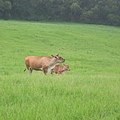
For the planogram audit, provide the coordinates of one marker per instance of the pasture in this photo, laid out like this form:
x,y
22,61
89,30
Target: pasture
x,y
89,91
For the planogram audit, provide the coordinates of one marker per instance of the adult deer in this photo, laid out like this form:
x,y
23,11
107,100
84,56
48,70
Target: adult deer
x,y
42,63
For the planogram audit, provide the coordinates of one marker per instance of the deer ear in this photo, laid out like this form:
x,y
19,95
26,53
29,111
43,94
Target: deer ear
x,y
56,56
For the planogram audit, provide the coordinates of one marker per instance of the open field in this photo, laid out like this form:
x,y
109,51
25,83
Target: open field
x,y
89,91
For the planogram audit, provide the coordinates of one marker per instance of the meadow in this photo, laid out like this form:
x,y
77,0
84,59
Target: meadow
x,y
89,91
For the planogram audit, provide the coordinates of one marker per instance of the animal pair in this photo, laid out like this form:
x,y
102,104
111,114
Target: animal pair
x,y
42,63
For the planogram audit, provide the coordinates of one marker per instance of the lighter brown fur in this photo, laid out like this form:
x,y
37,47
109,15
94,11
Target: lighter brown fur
x,y
59,69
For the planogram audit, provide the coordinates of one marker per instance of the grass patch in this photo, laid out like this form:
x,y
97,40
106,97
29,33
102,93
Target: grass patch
x,y
90,91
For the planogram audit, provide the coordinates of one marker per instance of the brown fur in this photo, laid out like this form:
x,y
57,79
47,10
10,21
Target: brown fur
x,y
44,63
59,69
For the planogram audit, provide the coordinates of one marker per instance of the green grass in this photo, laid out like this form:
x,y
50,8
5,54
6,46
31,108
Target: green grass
x,y
90,91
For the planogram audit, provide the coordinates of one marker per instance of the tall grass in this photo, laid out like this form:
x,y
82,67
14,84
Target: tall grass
x,y
90,91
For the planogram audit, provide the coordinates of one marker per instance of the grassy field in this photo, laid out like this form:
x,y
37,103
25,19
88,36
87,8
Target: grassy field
x,y
89,91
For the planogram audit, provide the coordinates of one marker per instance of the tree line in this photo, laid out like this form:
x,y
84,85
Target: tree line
x,y
82,11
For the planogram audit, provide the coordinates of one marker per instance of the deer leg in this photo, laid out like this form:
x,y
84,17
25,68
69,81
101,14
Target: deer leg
x,y
52,71
45,70
30,71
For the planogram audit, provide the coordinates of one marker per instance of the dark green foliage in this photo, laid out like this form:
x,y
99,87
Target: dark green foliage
x,y
83,11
